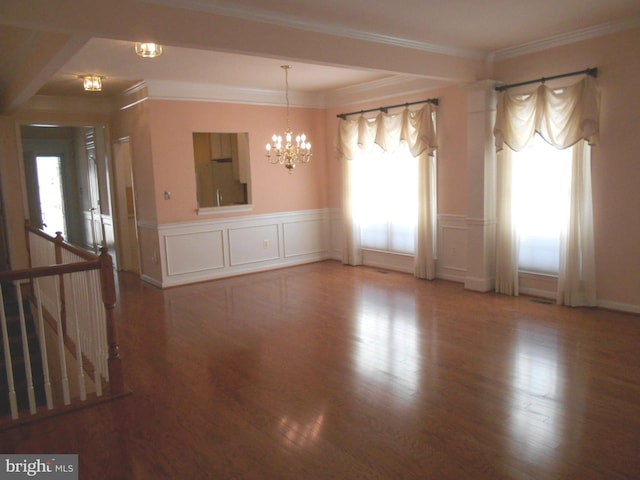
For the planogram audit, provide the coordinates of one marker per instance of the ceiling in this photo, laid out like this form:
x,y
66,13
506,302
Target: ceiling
x,y
333,45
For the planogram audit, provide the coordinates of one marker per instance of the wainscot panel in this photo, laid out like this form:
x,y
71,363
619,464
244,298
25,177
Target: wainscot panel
x,y
336,234
193,252
451,262
452,248
217,248
304,238
252,244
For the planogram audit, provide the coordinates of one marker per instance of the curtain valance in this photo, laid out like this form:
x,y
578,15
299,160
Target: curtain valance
x,y
417,128
562,116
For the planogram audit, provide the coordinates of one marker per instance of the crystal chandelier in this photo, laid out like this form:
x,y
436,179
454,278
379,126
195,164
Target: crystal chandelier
x,y
288,153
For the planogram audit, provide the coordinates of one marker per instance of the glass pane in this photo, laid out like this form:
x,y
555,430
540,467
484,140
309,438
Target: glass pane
x,y
385,199
51,197
541,190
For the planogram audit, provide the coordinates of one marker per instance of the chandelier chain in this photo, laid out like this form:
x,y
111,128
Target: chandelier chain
x,y
286,82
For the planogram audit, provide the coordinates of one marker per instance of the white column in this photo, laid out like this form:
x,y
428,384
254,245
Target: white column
x,y
481,174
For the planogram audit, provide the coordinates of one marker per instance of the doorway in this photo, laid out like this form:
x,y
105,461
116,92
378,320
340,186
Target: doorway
x,y
68,183
125,198
50,194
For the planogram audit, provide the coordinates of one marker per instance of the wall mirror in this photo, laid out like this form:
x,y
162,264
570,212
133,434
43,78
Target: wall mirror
x,y
222,169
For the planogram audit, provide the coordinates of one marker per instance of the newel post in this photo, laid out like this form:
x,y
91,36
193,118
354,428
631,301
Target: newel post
x,y
109,298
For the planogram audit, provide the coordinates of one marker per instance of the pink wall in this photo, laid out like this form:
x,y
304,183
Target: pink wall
x,y
273,188
615,162
160,133
133,123
12,192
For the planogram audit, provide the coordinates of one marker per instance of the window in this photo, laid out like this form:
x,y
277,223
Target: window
x,y
541,196
385,199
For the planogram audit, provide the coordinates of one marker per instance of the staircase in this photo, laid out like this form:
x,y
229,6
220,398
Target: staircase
x,y
72,298
17,355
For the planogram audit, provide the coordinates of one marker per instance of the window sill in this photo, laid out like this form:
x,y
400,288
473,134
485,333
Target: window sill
x,y
226,209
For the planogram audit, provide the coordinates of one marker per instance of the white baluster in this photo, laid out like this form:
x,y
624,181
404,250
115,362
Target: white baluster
x,y
64,380
25,351
97,322
76,336
13,402
43,345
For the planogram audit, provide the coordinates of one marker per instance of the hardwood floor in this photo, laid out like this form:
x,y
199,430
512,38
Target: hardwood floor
x,y
331,372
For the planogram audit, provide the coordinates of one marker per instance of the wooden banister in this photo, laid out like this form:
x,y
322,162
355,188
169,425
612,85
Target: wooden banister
x,y
53,257
63,245
109,299
47,271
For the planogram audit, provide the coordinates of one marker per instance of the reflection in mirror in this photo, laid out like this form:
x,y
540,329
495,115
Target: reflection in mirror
x,y
222,168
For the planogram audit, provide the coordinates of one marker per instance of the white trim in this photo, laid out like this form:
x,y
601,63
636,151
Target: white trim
x,y
537,292
479,284
452,218
69,104
151,280
481,222
247,219
448,267
452,276
374,90
131,97
565,38
618,306
398,262
262,16
227,209
206,92
245,244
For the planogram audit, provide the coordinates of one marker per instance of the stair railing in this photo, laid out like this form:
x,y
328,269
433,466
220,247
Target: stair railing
x,y
72,293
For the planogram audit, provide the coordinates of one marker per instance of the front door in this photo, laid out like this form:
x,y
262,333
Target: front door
x,y
94,228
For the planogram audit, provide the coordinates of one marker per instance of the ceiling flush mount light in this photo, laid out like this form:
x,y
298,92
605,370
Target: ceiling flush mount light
x,y
282,150
92,83
148,50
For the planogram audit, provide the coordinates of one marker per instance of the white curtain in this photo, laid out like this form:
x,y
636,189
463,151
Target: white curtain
x,y
416,128
564,117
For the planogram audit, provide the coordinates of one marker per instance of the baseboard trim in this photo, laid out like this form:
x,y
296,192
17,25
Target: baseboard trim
x,y
618,306
479,284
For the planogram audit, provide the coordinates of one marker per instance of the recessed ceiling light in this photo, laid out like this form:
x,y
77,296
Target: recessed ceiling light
x,y
92,82
148,50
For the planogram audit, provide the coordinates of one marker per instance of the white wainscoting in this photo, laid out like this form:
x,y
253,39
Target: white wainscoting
x,y
451,263
452,247
216,248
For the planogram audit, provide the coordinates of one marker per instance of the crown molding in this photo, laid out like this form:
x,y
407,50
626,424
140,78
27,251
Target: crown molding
x,y
565,39
200,92
381,89
131,97
238,11
363,92
69,104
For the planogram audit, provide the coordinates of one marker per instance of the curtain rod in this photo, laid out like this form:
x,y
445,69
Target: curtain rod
x,y
344,116
589,71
